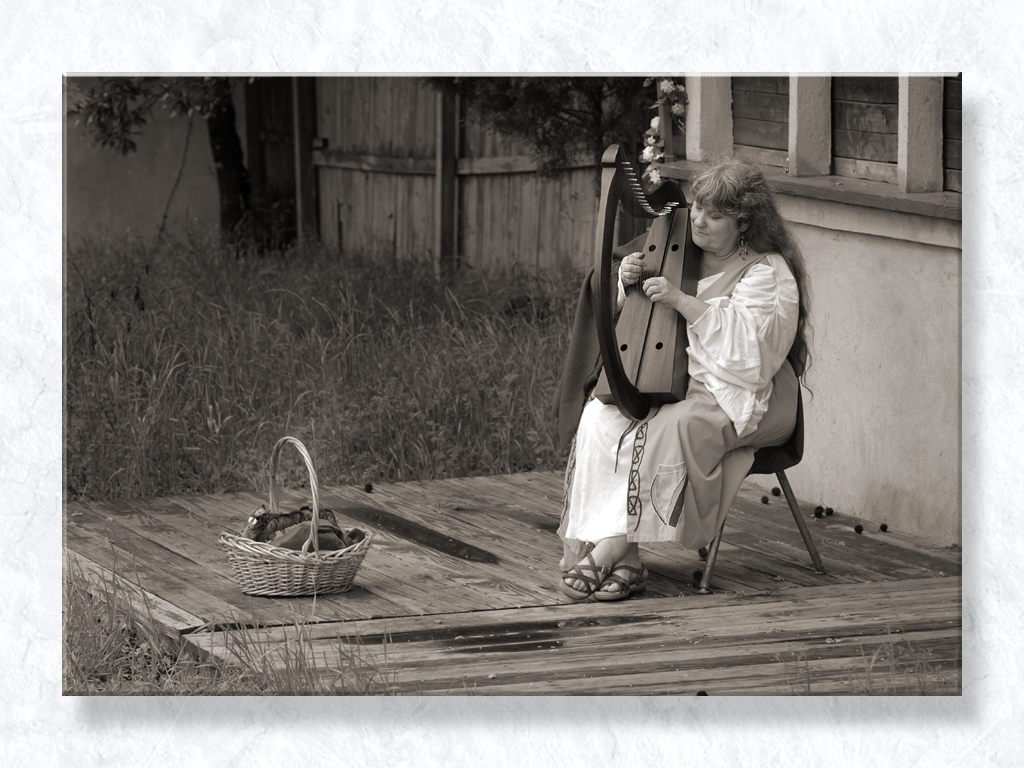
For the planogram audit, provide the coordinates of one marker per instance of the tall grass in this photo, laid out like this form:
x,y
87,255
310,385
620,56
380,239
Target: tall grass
x,y
113,645
186,362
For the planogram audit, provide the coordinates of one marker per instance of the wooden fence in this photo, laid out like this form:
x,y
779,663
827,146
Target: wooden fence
x,y
377,142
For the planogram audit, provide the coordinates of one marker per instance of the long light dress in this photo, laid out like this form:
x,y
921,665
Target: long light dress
x,y
674,475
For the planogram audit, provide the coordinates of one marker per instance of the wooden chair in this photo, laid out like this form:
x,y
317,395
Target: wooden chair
x,y
774,460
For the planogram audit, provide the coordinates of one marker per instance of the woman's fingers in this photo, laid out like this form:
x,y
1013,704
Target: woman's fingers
x,y
658,288
631,268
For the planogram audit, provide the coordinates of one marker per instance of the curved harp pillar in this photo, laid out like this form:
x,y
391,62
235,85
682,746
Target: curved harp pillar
x,y
644,351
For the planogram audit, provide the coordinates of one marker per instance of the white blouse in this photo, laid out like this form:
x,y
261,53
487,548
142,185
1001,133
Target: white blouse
x,y
740,342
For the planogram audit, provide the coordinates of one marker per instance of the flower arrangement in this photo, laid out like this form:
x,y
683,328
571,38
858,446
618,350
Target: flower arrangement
x,y
671,103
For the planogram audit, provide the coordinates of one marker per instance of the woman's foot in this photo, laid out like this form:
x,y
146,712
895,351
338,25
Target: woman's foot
x,y
626,570
623,581
607,553
587,574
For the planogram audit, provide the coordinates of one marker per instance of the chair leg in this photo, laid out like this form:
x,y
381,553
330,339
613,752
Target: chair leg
x,y
709,565
819,567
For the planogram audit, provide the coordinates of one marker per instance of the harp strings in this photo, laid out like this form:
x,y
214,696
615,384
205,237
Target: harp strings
x,y
638,194
645,274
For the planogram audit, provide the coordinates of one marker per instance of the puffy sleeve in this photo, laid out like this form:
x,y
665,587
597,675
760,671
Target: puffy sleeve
x,y
743,339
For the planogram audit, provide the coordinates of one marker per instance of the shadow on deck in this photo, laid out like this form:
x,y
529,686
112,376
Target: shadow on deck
x,y
459,591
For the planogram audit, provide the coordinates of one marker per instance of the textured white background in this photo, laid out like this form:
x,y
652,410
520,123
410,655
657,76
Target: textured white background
x,y
43,41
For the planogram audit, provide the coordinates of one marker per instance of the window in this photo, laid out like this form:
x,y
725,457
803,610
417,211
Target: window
x,y
865,123
760,119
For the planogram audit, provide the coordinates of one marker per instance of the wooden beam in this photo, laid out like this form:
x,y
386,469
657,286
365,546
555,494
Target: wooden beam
x,y
709,118
410,166
920,134
810,126
444,185
304,121
853,191
673,149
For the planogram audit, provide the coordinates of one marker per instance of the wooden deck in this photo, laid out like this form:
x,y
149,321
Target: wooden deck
x,y
457,595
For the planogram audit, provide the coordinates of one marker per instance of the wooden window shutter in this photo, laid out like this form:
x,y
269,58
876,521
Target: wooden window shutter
x,y
760,119
951,138
865,120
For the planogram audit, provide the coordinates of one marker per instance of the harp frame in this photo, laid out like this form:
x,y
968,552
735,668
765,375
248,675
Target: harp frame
x,y
620,183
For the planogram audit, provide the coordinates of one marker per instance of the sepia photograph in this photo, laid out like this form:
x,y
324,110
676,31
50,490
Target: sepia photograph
x,y
463,383
512,385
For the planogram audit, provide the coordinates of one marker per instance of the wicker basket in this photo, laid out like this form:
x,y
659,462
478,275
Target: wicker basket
x,y
260,568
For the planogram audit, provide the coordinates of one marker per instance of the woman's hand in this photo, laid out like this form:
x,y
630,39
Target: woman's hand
x,y
660,290
631,268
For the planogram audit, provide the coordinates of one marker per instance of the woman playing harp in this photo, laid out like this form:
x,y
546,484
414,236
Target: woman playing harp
x,y
673,475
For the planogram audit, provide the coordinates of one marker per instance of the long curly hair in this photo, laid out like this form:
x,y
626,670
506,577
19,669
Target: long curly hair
x,y
738,188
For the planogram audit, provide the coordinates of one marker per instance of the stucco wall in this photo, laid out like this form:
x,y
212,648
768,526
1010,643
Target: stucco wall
x,y
109,194
883,425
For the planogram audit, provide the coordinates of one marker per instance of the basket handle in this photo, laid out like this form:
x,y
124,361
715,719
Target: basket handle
x,y
314,522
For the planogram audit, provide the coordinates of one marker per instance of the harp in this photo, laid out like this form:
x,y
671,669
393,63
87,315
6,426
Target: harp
x,y
644,352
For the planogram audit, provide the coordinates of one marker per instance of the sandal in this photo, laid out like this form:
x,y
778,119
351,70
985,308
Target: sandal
x,y
627,587
576,573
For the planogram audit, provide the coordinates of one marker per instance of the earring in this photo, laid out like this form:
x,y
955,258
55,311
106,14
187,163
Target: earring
x,y
742,243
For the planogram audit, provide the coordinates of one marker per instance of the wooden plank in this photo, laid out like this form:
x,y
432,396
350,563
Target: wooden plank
x,y
488,520
167,576
860,145
772,107
468,230
505,164
422,217
470,145
336,158
760,133
414,579
485,258
952,124
865,169
761,156
469,523
952,92
595,648
776,84
673,566
641,655
715,617
952,154
382,126
911,551
445,192
403,209
874,90
528,223
868,118
852,191
304,122
103,583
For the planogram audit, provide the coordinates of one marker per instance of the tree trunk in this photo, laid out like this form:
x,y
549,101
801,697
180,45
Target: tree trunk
x,y
232,177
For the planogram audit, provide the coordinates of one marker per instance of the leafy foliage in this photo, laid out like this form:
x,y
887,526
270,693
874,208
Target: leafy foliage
x,y
115,109
560,117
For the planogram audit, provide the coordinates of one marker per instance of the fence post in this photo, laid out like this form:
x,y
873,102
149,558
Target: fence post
x,y
304,120
444,186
